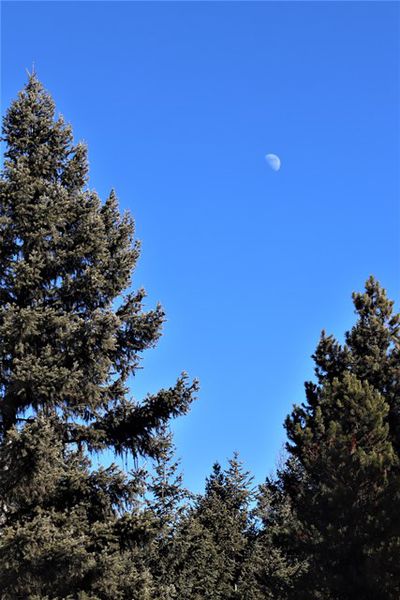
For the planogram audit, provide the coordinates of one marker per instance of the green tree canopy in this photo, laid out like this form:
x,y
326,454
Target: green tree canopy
x,y
344,480
65,260
71,333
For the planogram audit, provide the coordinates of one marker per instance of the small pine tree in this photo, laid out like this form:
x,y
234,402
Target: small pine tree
x,y
168,495
214,537
198,566
168,504
274,566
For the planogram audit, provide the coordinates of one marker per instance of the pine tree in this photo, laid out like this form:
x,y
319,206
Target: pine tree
x,y
274,566
214,537
224,511
70,336
168,495
59,532
343,481
168,504
371,352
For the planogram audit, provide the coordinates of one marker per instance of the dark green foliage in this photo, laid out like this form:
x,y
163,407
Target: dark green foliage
x,y
68,342
168,496
198,566
168,504
60,530
345,487
274,566
214,537
65,258
371,352
327,527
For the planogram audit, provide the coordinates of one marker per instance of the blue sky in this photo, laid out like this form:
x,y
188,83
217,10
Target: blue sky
x,y
179,103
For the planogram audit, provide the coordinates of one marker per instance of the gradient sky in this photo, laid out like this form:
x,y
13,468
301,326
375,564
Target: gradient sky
x,y
179,103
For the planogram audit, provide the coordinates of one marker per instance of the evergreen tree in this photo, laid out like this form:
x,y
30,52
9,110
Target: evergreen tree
x,y
214,538
371,352
168,496
70,336
343,481
274,567
59,532
168,504
198,566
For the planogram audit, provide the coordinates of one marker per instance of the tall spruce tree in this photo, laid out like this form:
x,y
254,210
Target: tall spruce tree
x,y
344,479
70,336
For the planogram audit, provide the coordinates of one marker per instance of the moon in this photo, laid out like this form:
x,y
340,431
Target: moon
x,y
273,161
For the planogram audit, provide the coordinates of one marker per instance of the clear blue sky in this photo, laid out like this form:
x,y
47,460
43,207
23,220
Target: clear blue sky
x,y
179,103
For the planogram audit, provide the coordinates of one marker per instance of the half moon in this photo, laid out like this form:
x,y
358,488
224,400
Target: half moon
x,y
273,161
